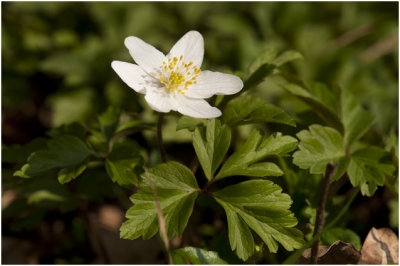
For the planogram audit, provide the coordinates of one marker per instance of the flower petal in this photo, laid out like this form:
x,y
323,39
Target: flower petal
x,y
197,108
210,83
134,76
160,100
145,55
191,46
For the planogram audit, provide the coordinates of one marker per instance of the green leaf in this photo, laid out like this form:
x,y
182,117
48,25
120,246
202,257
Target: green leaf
x,y
64,151
190,123
19,154
287,57
245,161
74,129
176,189
109,121
211,145
355,119
67,174
261,206
318,147
346,235
320,99
367,170
200,256
135,125
341,168
258,76
265,57
247,110
125,164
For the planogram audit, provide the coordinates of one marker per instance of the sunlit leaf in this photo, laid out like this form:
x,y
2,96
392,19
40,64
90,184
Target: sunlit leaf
x,y
318,147
211,145
246,160
176,190
261,206
200,256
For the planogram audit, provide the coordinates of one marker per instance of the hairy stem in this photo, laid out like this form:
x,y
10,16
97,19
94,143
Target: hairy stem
x,y
160,139
161,219
319,222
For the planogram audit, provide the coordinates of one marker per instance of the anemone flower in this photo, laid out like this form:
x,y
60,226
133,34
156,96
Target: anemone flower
x,y
175,81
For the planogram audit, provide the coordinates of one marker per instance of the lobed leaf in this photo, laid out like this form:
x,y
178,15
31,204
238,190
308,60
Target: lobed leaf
x,y
318,147
64,151
366,169
199,256
65,175
245,161
176,190
321,100
125,164
261,206
355,119
109,121
211,145
247,110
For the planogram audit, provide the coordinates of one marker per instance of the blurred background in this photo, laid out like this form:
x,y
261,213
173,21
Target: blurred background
x,y
56,69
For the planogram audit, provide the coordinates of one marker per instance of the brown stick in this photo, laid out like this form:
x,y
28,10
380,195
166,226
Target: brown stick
x,y
160,139
319,222
161,219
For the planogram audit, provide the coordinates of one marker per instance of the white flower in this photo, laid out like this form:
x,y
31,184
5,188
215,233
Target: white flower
x,y
175,81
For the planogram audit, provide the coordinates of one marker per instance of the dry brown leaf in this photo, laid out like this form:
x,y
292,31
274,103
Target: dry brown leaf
x,y
380,247
337,253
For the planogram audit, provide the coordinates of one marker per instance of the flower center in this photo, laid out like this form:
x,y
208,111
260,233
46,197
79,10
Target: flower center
x,y
176,75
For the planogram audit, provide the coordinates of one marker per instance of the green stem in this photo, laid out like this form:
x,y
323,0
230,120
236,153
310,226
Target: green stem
x,y
160,138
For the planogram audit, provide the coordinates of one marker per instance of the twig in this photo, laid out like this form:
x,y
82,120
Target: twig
x,y
319,222
295,255
380,48
351,36
161,220
160,139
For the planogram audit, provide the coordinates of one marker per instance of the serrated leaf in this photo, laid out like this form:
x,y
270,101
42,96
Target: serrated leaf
x,y
200,256
261,206
318,147
176,189
64,151
211,145
125,164
321,100
247,110
355,119
367,170
65,175
190,123
245,161
331,235
109,121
